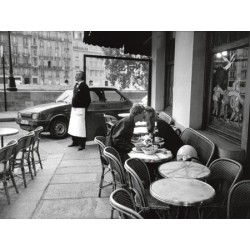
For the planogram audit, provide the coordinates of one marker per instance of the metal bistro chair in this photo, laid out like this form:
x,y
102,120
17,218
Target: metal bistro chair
x,y
139,181
238,204
224,173
35,148
22,154
121,200
117,169
100,140
205,147
6,154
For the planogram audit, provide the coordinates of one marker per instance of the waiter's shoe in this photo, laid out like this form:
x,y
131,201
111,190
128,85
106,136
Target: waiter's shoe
x,y
72,145
81,148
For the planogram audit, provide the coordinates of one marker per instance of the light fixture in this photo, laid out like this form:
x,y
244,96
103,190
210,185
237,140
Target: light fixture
x,y
218,55
224,53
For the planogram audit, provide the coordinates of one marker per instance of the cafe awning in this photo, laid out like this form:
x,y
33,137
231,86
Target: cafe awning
x,y
134,42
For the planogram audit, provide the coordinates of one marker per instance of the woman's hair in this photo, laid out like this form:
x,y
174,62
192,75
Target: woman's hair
x,y
150,110
151,123
136,109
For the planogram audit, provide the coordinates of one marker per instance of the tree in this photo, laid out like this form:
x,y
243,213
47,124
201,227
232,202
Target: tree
x,y
127,73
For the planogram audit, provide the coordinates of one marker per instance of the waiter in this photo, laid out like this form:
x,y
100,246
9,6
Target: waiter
x,y
80,103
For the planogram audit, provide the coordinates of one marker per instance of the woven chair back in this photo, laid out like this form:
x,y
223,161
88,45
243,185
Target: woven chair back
x,y
121,200
116,165
204,147
24,142
101,140
224,174
136,184
141,169
6,153
238,206
38,132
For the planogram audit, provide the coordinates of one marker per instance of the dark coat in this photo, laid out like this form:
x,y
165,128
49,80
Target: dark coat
x,y
81,96
172,141
120,137
121,134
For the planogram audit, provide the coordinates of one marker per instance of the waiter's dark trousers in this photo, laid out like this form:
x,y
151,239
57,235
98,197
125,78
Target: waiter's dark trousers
x,y
80,141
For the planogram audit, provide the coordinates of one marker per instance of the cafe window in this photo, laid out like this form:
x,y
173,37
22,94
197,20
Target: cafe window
x,y
227,88
169,78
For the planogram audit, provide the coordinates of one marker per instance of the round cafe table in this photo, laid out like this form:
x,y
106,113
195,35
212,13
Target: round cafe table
x,y
184,169
157,157
182,192
6,132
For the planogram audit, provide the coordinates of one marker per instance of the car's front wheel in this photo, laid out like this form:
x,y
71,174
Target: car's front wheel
x,y
59,128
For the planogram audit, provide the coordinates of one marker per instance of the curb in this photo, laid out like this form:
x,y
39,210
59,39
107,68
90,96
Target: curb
x,y
7,119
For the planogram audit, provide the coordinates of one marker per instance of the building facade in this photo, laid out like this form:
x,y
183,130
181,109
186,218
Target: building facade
x,y
39,57
95,68
50,58
202,80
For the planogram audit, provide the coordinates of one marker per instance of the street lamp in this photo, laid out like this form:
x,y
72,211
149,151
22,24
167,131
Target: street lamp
x,y
5,98
12,84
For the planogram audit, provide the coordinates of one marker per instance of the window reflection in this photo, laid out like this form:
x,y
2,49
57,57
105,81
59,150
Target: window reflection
x,y
228,90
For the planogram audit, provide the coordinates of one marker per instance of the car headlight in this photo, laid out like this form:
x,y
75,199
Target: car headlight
x,y
35,116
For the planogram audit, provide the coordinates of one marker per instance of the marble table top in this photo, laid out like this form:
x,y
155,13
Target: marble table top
x,y
182,192
184,169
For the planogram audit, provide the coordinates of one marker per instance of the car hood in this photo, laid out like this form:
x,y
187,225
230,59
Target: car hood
x,y
43,107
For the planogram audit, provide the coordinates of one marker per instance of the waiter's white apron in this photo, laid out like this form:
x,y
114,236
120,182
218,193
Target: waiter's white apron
x,y
77,122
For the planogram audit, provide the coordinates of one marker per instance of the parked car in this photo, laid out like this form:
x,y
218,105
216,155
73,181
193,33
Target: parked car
x,y
54,117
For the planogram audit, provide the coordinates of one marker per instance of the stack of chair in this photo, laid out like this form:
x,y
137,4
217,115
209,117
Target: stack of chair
x,y
6,156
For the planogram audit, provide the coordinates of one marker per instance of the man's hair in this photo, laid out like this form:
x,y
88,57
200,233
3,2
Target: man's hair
x,y
136,109
82,72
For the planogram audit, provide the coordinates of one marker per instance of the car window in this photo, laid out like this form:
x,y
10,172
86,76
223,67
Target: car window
x,y
113,96
66,96
94,97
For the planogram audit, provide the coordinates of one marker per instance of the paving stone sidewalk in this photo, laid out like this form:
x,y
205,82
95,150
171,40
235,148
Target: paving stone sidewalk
x,y
66,187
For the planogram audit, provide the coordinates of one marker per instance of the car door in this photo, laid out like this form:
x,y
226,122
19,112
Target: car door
x,y
115,102
104,101
95,123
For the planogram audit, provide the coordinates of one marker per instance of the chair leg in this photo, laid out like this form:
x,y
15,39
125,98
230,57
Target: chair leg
x,y
39,158
29,165
6,190
33,161
14,182
101,182
24,178
186,212
112,213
